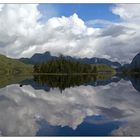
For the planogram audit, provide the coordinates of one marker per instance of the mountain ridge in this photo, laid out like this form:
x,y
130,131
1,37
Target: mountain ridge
x,y
44,57
132,67
136,61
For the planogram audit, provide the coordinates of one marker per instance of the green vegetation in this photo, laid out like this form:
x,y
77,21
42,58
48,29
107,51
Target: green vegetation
x,y
133,68
64,73
13,71
103,68
10,66
63,66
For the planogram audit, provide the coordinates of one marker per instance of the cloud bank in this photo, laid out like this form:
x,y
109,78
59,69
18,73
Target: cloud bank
x,y
22,33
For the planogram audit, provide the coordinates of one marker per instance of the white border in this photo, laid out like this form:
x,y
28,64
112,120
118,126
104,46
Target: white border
x,y
69,1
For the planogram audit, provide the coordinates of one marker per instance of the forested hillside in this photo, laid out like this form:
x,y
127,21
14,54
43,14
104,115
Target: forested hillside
x,y
12,66
61,65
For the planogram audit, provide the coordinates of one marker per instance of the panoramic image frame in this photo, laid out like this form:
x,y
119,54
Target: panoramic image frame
x,y
69,69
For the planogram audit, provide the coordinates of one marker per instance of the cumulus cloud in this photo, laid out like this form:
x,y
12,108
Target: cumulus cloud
x,y
123,10
22,33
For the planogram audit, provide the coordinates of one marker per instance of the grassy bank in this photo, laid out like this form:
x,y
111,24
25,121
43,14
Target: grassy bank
x,y
10,66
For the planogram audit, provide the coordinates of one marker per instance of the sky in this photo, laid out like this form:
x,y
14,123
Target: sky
x,y
85,11
108,31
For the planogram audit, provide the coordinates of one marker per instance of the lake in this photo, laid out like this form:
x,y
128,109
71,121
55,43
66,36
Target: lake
x,y
70,106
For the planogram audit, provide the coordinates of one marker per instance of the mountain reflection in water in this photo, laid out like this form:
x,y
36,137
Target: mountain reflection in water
x,y
103,106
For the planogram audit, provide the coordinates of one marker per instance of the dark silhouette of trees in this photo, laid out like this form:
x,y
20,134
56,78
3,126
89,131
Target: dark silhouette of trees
x,y
64,81
61,65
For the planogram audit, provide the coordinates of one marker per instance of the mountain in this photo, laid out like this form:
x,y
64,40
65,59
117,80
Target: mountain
x,y
133,67
38,58
135,62
12,66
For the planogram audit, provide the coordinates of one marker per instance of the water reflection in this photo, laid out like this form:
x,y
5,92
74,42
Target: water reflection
x,y
135,80
104,107
62,82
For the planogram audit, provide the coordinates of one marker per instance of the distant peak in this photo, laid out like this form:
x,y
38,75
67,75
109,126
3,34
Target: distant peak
x,y
47,52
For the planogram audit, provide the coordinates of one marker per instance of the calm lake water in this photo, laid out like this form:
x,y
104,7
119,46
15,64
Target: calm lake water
x,y
70,106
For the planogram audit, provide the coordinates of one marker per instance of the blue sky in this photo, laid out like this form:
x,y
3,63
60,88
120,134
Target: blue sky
x,y
85,11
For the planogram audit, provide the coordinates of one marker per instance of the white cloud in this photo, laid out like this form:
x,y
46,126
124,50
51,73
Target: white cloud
x,y
128,12
22,35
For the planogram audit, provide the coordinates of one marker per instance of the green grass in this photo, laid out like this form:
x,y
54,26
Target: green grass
x,y
13,71
10,66
104,68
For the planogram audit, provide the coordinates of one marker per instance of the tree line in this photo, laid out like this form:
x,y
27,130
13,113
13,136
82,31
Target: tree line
x,y
62,65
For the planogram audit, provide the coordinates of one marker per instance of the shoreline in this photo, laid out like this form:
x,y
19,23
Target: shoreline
x,y
72,73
